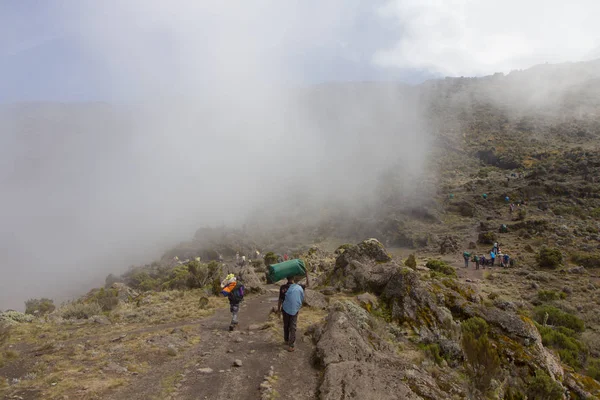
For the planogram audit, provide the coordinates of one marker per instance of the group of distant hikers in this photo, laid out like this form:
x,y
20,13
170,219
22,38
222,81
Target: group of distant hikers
x,y
481,260
291,297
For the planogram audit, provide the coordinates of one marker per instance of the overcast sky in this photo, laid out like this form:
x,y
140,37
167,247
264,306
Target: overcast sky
x,y
90,50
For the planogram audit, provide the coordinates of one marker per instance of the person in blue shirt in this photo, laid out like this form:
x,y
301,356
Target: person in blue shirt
x,y
493,257
291,304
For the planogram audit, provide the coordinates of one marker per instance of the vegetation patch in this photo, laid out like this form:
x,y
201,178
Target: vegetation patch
x,y
441,267
572,352
411,261
482,361
549,257
550,295
549,315
543,387
39,306
588,260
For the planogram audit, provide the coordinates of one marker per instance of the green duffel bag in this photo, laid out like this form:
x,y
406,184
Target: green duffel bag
x,y
277,272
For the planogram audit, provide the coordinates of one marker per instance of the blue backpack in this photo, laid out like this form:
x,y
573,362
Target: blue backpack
x,y
237,294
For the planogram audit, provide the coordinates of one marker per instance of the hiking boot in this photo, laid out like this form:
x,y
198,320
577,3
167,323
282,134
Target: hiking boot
x,y
231,328
291,349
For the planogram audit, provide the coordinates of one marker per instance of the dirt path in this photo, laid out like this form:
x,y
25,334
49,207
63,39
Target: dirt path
x,y
260,350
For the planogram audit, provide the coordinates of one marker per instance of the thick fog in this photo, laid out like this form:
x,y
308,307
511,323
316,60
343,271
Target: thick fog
x,y
206,127
211,114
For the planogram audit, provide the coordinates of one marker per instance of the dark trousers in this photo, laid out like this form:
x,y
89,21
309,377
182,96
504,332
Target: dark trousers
x,y
289,328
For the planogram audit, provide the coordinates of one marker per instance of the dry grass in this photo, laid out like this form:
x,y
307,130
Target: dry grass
x,y
73,355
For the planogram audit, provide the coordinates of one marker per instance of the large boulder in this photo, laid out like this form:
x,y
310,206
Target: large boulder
x,y
360,365
363,267
365,381
314,299
370,249
251,280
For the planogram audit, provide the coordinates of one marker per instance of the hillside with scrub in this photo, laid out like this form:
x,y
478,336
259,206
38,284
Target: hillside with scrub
x,y
397,306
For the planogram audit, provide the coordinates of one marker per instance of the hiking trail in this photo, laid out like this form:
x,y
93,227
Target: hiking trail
x,y
207,371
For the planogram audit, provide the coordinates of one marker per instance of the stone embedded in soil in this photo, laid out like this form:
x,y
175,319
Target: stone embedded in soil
x,y
205,370
237,363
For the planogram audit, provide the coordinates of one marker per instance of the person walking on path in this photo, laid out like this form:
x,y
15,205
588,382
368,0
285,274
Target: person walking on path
x,y
235,293
291,297
493,257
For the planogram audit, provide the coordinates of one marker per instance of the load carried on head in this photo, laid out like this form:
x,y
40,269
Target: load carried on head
x,y
277,272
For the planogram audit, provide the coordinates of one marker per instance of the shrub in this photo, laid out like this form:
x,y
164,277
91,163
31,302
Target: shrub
x,y
39,306
12,317
483,363
487,237
549,257
106,299
593,369
513,394
588,260
441,267
433,350
543,387
411,262
557,317
80,310
571,351
270,258
550,295
179,278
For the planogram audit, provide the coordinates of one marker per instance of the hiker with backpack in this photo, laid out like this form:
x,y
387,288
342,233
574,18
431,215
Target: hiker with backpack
x,y
476,261
466,256
291,297
234,291
493,258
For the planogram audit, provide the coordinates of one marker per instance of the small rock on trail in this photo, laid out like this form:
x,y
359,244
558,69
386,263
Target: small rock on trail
x,y
237,363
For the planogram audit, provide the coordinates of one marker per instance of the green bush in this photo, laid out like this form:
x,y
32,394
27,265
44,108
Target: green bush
x,y
550,295
482,361
80,310
270,258
39,306
106,299
441,267
572,352
588,260
543,387
411,262
487,237
433,350
593,369
513,394
557,317
549,257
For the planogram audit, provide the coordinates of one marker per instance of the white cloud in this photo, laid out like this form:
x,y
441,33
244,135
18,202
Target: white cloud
x,y
476,37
